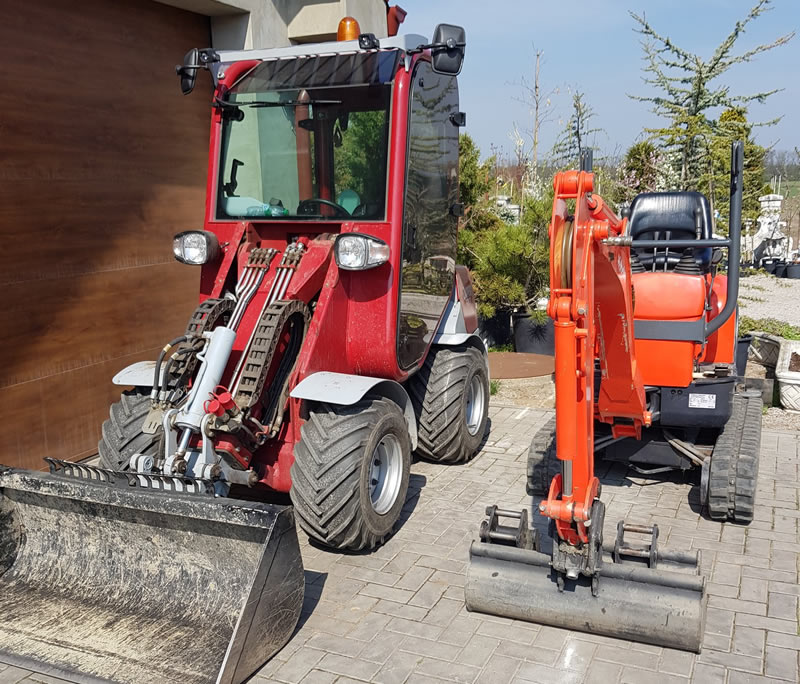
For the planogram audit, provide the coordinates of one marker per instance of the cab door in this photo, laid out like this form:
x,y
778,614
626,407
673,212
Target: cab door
x,y
430,226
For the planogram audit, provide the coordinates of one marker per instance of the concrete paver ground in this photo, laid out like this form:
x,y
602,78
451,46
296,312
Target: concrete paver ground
x,y
397,615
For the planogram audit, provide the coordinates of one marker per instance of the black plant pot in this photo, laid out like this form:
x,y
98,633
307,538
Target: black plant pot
x,y
769,265
496,331
780,269
793,271
742,349
531,337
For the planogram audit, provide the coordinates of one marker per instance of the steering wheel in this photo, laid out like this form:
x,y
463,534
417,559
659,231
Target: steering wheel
x,y
340,210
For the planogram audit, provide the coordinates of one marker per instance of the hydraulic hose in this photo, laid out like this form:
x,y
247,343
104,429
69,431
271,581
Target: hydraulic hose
x,y
157,371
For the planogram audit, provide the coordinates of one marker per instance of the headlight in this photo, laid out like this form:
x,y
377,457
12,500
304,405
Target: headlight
x,y
195,247
356,252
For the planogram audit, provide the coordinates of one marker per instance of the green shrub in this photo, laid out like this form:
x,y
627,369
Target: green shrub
x,y
771,326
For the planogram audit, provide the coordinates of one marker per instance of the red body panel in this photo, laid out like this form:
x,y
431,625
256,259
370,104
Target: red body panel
x,y
354,326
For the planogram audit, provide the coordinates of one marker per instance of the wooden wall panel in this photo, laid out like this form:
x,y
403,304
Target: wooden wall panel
x,y
102,161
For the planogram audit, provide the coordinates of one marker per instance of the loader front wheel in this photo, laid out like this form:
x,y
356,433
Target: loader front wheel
x,y
450,394
350,473
122,435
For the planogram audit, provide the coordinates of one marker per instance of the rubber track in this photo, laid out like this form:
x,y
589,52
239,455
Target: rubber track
x,y
326,472
543,465
734,462
122,435
436,392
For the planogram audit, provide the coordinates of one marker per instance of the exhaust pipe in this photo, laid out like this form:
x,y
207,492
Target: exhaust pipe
x,y
104,581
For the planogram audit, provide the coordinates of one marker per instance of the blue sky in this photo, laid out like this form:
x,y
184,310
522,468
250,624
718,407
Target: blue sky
x,y
592,46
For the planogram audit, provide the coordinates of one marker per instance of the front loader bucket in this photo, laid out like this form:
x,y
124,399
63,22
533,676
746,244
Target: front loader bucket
x,y
105,582
662,607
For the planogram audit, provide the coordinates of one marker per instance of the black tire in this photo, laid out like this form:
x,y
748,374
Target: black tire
x,y
122,435
332,471
450,428
733,469
543,464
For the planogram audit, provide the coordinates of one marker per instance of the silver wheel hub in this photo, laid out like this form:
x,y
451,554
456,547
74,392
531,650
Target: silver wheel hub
x,y
386,474
476,402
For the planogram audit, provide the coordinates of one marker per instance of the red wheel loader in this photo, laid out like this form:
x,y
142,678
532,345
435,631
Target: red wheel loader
x,y
335,336
645,337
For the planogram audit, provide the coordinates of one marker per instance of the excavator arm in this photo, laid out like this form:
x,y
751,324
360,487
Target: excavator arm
x,y
591,304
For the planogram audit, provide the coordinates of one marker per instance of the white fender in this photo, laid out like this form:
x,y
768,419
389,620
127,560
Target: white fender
x,y
344,389
139,374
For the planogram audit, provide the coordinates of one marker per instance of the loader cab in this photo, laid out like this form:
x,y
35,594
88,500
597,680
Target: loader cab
x,y
356,137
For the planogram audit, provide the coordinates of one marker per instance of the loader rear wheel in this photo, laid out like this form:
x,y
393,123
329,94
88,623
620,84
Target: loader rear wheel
x,y
450,394
543,464
733,470
350,473
122,435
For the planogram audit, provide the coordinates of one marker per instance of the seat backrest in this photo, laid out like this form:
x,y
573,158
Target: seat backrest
x,y
669,215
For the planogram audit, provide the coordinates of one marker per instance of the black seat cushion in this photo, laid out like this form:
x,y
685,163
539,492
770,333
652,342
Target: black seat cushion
x,y
669,215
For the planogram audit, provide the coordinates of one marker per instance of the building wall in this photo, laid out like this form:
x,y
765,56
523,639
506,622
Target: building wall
x,y
103,161
245,24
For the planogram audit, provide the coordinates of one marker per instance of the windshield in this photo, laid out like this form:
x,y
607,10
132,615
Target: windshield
x,y
307,142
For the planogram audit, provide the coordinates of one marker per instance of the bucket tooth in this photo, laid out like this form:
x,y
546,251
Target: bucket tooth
x,y
107,583
663,607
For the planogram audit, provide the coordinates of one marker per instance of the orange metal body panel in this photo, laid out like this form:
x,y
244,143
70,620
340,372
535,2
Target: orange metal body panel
x,y
668,297
721,346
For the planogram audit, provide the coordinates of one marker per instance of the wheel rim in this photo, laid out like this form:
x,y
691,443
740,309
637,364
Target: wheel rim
x,y
476,399
386,474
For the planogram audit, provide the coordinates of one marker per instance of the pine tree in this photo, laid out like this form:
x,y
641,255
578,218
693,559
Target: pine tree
x,y
690,88
577,135
733,125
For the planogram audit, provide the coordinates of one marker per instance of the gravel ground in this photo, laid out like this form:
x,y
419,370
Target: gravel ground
x,y
764,296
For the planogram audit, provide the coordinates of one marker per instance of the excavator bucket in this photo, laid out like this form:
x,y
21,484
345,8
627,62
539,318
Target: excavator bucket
x,y
108,581
663,606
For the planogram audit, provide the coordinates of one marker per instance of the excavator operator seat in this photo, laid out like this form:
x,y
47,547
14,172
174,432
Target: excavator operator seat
x,y
670,215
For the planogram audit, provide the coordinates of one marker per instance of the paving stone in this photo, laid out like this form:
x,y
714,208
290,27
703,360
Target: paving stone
x,y
540,674
709,674
348,667
576,655
12,675
749,641
781,663
452,672
319,677
299,665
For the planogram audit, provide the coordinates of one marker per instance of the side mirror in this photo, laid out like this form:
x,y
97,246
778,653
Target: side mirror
x,y
188,72
193,60
447,49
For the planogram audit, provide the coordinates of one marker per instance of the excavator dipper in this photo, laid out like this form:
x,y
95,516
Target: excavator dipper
x,y
645,337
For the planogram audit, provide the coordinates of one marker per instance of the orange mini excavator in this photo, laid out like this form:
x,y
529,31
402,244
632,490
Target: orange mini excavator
x,y
645,340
